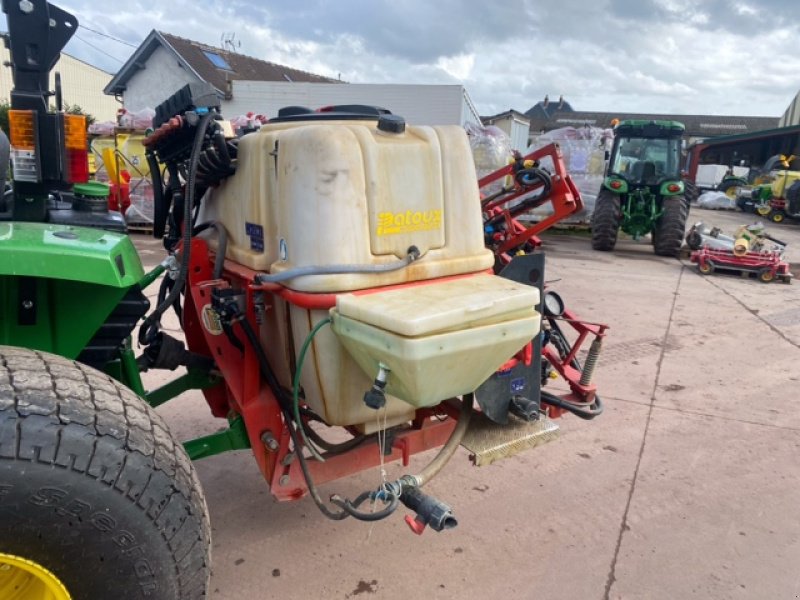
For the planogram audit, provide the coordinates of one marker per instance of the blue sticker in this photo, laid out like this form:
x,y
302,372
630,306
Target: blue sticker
x,y
517,385
256,234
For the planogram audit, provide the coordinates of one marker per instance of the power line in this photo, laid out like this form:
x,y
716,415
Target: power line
x,y
98,49
111,37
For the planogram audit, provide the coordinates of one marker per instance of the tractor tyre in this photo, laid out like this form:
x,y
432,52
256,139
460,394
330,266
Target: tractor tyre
x,y
777,216
670,227
690,191
793,199
96,499
730,187
605,221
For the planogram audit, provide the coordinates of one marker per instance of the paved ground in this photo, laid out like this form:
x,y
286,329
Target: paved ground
x,y
686,487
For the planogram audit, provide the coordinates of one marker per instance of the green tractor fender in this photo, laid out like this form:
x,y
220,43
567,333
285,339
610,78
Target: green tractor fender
x,y
615,184
672,188
58,284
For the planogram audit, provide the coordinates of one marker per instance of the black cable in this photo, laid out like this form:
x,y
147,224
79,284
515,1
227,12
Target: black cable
x,y
586,413
150,325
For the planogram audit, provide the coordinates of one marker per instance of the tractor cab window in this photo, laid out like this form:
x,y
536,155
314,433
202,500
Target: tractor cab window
x,y
647,160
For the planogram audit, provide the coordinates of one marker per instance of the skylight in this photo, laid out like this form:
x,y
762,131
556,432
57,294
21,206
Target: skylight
x,y
217,60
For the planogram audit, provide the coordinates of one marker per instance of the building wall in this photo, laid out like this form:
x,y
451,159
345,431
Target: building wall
x,y
517,129
81,84
161,77
792,114
418,104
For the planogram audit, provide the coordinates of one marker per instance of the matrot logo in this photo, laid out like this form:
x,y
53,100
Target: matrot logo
x,y
408,222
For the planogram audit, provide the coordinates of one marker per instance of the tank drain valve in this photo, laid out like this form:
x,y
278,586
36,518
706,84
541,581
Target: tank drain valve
x,y
375,397
429,511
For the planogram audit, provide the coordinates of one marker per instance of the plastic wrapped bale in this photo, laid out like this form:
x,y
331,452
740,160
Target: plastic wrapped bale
x,y
491,150
716,200
584,150
140,212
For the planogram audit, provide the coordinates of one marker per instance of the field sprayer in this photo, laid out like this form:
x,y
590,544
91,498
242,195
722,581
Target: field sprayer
x,y
329,272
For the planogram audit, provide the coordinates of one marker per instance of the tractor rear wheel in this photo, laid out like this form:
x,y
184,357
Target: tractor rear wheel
x,y
605,221
96,499
691,193
671,226
793,199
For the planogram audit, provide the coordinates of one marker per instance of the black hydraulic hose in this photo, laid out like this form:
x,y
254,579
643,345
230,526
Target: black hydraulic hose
x,y
150,325
351,508
586,413
221,144
340,448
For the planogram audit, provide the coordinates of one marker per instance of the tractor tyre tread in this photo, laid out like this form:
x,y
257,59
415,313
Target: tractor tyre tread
x,y
605,221
671,227
793,199
101,468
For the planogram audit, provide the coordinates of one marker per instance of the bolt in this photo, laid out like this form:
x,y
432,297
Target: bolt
x,y
269,441
5,567
26,6
27,304
284,480
287,460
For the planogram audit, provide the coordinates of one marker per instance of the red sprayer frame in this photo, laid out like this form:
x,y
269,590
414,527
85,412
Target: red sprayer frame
x,y
564,198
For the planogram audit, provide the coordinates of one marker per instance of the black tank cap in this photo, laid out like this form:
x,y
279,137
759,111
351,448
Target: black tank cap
x,y
392,123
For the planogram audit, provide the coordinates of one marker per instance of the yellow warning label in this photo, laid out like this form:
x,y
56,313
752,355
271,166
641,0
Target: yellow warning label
x,y
408,222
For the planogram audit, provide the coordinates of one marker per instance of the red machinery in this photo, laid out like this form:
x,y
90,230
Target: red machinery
x,y
767,266
530,187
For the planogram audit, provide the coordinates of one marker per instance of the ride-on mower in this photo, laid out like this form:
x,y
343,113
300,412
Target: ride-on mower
x,y
643,191
329,274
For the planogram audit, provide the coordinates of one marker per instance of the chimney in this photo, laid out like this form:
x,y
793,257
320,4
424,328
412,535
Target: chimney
x,y
546,101
561,101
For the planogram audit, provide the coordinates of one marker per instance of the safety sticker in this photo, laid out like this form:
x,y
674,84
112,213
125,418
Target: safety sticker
x,y
256,234
211,320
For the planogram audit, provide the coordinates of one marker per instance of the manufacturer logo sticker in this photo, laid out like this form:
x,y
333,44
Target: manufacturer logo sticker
x,y
211,320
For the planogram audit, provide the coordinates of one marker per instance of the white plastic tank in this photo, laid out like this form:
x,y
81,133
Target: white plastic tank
x,y
347,193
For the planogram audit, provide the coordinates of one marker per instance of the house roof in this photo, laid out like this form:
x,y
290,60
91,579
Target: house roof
x,y
505,114
198,57
696,125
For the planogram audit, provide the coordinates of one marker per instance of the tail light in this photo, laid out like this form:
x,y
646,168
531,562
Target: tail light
x,y
23,130
76,149
673,187
615,184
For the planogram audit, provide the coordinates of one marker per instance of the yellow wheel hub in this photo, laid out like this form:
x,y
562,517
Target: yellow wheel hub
x,y
23,579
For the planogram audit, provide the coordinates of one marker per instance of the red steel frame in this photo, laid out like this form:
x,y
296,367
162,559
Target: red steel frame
x,y
564,197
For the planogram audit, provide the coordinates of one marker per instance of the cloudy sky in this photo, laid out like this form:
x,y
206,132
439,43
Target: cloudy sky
x,y
726,57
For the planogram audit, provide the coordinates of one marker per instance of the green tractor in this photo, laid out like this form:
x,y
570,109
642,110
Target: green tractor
x,y
643,191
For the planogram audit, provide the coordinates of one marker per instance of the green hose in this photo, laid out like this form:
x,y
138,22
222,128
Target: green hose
x,y
296,388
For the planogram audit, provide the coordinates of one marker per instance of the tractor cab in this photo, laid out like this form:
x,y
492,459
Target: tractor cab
x,y
646,153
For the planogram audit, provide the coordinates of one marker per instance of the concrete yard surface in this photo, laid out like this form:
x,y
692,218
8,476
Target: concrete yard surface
x,y
686,487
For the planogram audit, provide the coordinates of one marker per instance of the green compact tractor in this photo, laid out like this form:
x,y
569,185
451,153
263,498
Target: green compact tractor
x,y
338,308
643,191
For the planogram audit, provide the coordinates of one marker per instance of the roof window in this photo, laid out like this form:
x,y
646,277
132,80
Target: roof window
x,y
217,60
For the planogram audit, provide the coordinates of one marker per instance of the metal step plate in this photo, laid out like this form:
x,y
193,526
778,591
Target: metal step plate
x,y
487,441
